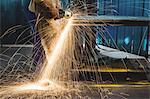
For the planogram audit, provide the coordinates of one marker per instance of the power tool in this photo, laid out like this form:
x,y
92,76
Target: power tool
x,y
49,13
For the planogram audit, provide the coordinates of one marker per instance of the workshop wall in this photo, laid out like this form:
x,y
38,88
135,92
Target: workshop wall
x,y
127,38
133,39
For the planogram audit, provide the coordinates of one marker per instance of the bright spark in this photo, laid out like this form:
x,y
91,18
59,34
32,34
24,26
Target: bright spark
x,y
42,85
31,87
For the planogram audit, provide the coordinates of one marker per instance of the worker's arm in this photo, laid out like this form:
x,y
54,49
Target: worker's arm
x,y
47,8
54,6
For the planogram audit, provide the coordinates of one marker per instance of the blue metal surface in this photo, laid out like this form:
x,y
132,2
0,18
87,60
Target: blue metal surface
x,y
138,35
16,12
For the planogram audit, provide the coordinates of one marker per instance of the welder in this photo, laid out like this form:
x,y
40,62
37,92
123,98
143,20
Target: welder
x,y
47,12
49,9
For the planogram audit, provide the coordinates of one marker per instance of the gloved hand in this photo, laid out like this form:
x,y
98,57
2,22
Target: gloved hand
x,y
48,8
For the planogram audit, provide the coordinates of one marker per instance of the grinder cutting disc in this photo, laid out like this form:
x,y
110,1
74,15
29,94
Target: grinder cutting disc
x,y
68,14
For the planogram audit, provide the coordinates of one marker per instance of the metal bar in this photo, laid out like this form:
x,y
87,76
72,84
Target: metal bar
x,y
16,45
111,20
148,35
128,85
115,70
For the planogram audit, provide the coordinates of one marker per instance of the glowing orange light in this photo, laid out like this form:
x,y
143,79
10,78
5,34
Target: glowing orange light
x,y
32,86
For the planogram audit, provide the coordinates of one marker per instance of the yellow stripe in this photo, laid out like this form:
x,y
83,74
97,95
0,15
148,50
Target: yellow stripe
x,y
106,70
132,84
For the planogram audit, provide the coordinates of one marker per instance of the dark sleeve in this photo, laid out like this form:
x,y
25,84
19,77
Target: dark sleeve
x,y
43,10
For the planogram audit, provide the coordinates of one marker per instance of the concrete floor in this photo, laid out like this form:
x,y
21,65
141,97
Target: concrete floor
x,y
128,92
95,92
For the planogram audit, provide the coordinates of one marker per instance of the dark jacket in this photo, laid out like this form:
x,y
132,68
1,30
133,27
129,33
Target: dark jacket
x,y
41,8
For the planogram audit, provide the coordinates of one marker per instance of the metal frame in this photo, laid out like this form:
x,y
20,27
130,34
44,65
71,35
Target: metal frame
x,y
111,20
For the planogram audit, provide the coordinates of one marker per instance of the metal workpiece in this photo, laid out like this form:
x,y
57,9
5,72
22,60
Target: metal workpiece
x,y
111,20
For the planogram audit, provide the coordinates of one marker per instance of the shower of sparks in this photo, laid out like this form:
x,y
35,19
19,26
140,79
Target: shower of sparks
x,y
44,84
47,83
57,51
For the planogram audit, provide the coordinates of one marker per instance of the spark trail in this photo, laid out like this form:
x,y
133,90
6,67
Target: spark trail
x,y
57,53
48,81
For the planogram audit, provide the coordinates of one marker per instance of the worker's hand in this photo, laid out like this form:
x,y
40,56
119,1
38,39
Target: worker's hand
x,y
48,8
54,6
